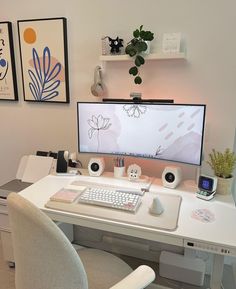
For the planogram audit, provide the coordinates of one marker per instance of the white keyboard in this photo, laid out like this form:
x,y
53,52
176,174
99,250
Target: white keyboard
x,y
110,198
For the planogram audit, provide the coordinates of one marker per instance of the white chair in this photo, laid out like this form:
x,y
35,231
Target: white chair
x,y
45,259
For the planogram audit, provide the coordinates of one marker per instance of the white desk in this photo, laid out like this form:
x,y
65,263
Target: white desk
x,y
218,237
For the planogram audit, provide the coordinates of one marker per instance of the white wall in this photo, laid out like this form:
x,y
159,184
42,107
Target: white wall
x,y
208,76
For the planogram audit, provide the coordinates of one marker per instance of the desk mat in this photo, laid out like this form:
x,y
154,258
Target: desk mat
x,y
168,220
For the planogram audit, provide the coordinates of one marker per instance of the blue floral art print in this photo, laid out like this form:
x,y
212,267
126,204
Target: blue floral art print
x,y
44,81
44,59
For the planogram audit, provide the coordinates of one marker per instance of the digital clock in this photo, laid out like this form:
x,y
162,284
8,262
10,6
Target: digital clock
x,y
207,187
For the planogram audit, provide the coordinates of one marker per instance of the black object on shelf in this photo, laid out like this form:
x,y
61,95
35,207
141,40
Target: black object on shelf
x,y
42,153
46,154
52,154
62,161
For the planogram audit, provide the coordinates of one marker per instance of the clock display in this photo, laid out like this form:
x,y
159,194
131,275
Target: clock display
x,y
205,183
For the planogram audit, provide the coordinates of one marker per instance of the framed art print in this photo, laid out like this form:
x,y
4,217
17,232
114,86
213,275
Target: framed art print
x,y
8,84
44,59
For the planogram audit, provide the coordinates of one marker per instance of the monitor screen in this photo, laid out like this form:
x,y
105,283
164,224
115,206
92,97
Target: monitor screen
x,y
171,132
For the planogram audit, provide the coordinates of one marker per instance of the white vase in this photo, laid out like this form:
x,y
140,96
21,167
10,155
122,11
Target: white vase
x,y
147,51
224,186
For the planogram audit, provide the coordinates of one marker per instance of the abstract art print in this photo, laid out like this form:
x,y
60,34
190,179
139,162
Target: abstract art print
x,y
8,84
44,59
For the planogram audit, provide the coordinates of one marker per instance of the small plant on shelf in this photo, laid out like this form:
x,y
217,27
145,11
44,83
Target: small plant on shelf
x,y
136,48
222,164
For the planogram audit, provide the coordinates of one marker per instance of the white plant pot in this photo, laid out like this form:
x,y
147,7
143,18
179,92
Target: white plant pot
x,y
147,51
224,186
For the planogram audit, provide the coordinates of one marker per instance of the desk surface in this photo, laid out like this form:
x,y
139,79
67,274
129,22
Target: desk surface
x,y
220,232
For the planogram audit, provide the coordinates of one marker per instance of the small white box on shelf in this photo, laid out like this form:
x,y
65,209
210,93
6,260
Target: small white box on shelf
x,y
171,42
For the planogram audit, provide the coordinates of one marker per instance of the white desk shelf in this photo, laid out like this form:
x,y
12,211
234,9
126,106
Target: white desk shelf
x,y
152,56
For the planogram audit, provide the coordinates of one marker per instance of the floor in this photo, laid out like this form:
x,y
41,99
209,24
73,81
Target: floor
x,y
160,282
7,276
228,280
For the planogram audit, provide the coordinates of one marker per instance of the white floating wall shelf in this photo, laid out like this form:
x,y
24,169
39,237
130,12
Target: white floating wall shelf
x,y
152,56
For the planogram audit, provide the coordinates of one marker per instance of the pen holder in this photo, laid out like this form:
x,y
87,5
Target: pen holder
x,y
119,172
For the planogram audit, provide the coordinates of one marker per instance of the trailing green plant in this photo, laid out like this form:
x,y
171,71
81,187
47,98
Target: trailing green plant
x,y
222,163
135,48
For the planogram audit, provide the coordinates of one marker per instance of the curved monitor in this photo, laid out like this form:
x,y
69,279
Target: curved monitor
x,y
170,132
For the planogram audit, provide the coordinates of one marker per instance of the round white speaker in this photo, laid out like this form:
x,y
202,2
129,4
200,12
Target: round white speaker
x,y
96,167
171,177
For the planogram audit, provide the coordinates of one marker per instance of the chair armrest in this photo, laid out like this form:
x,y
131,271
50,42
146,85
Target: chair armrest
x,y
138,279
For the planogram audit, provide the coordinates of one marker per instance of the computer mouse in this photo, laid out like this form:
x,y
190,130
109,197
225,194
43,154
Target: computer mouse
x,y
156,207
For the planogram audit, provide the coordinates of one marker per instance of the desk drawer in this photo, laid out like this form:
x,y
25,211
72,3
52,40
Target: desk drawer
x,y
3,209
4,222
7,246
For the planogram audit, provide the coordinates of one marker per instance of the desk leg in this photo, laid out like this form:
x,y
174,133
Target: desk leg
x,y
217,271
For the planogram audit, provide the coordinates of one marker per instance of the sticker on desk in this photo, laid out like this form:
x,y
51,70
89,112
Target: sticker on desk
x,y
203,215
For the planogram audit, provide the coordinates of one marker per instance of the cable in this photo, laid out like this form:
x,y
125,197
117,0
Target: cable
x,y
222,287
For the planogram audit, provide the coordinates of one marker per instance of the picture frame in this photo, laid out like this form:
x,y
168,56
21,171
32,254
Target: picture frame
x,y
8,81
44,59
171,42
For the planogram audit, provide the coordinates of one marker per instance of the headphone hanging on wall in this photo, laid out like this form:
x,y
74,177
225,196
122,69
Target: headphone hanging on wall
x,y
98,88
